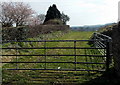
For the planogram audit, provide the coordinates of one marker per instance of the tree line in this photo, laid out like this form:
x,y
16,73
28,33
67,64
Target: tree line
x,y
21,14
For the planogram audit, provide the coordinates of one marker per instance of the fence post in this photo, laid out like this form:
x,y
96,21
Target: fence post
x,y
45,53
108,53
75,53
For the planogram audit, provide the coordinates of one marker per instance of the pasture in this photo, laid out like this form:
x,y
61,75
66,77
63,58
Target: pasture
x,y
49,76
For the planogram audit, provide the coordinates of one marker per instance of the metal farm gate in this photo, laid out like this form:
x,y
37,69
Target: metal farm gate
x,y
67,55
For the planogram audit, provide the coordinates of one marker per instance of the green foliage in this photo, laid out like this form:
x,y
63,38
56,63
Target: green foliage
x,y
14,33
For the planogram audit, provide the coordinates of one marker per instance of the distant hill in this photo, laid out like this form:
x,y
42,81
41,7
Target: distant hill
x,y
90,27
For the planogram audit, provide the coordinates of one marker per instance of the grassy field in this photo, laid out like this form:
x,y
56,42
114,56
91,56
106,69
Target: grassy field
x,y
49,77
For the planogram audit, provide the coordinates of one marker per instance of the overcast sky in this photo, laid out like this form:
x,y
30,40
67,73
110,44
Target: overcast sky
x,y
81,12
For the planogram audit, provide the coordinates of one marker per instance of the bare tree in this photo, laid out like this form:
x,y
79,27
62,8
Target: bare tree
x,y
33,21
36,20
15,12
41,17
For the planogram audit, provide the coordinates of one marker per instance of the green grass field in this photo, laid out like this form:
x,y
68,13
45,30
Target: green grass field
x,y
50,77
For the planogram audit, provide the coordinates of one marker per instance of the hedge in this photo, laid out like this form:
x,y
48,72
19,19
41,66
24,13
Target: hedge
x,y
23,32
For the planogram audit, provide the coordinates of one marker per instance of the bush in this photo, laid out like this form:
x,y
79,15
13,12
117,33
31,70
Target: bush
x,y
108,33
116,47
54,22
44,29
21,33
14,33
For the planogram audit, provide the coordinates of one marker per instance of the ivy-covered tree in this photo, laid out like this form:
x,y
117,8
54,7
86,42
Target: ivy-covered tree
x,y
52,13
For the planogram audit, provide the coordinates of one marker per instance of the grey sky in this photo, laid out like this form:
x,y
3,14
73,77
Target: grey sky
x,y
81,12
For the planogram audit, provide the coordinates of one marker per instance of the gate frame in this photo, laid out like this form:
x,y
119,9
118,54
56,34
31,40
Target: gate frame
x,y
108,47
108,41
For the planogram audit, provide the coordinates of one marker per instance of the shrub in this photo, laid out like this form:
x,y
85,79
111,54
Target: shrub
x,y
116,48
22,32
54,22
14,33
